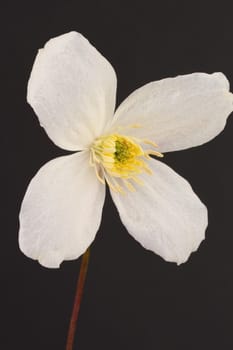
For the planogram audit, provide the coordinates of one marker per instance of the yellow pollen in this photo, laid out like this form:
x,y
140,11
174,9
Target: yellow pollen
x,y
119,159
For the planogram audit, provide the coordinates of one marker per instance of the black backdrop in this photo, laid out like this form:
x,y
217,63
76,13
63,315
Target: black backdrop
x,y
133,299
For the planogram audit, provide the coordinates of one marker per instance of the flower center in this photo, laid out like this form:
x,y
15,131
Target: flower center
x,y
119,159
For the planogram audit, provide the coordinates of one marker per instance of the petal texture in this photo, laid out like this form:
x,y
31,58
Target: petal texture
x,y
72,89
179,113
61,210
164,215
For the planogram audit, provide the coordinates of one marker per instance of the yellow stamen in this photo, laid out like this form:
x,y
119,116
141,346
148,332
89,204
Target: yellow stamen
x,y
154,153
98,176
117,156
129,186
125,127
137,180
148,142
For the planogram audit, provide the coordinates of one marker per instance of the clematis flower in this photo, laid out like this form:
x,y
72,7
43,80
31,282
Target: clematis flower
x,y
72,89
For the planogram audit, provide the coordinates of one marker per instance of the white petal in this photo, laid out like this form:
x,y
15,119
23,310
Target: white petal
x,y
61,210
164,215
72,89
179,113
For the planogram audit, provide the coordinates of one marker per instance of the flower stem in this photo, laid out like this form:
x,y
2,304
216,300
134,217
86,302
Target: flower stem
x,y
77,299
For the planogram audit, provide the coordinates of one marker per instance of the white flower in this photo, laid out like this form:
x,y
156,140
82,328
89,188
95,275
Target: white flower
x,y
72,90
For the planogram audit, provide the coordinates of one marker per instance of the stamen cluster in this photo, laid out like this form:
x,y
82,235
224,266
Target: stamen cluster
x,y
119,159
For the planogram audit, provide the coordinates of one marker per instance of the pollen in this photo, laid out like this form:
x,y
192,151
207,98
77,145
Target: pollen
x,y
120,159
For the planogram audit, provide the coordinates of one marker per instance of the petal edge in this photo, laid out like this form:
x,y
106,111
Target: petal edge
x,y
72,89
178,113
164,215
61,211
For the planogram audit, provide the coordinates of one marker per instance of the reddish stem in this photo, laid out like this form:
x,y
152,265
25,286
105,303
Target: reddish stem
x,y
77,300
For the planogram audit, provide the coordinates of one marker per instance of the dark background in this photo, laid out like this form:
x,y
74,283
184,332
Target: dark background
x,y
133,299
